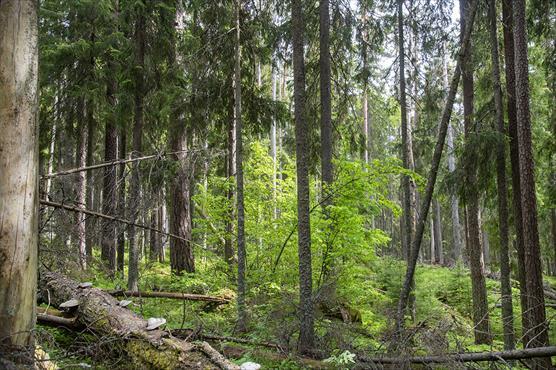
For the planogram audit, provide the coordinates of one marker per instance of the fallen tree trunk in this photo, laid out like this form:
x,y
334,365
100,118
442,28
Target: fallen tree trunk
x,y
517,354
101,313
170,295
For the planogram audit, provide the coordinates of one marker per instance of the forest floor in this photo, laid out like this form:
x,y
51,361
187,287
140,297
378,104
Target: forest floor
x,y
442,317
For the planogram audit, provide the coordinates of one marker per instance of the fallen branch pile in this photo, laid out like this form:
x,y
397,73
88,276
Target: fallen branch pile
x,y
100,313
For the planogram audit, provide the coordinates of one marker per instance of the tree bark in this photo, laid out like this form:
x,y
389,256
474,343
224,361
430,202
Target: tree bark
x,y
474,247
533,265
19,161
437,155
325,98
81,190
505,268
306,310
231,173
507,13
137,139
241,253
439,257
120,252
109,186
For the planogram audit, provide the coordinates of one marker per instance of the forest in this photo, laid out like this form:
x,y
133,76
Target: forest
x,y
277,184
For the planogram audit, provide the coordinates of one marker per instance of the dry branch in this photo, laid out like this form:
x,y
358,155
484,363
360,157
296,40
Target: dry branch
x,y
106,217
100,312
109,164
184,333
56,318
170,295
517,354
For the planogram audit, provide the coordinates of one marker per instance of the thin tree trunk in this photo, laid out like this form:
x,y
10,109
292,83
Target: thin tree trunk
x,y
438,233
231,173
533,265
435,163
133,268
454,204
121,200
273,145
505,268
474,247
90,183
109,187
241,253
306,311
81,190
325,97
19,166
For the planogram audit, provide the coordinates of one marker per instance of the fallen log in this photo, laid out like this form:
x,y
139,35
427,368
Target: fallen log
x,y
170,295
517,354
100,312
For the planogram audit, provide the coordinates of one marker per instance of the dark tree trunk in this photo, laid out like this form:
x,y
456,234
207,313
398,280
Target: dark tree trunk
x,y
325,98
137,133
507,11
438,247
121,200
474,248
19,168
437,155
505,269
533,265
109,186
241,253
306,311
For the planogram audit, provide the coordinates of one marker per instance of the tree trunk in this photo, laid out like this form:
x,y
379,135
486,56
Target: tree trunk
x,y
121,200
231,173
306,310
90,183
19,161
241,253
109,186
137,133
439,257
507,11
325,97
81,190
533,265
505,268
437,155
474,248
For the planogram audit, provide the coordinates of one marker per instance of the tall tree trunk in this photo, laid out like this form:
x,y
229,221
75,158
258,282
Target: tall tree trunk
x,y
435,163
120,251
273,153
81,189
90,183
231,173
109,186
454,204
325,97
306,311
181,250
19,166
533,265
241,253
137,139
474,248
505,268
